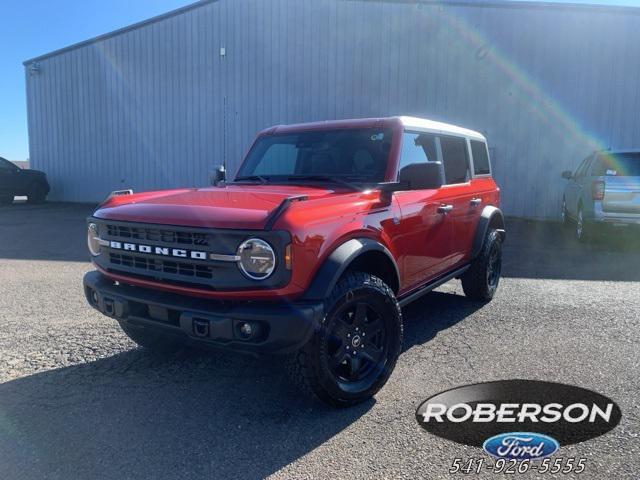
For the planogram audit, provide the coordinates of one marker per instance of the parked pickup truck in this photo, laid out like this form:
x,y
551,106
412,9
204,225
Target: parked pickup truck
x,y
327,230
603,192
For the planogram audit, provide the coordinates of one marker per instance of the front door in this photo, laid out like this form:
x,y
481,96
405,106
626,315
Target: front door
x,y
574,187
426,242
7,176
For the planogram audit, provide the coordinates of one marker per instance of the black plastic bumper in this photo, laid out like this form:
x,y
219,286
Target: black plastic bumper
x,y
275,327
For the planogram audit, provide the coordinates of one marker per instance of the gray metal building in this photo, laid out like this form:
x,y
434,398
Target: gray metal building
x,y
159,103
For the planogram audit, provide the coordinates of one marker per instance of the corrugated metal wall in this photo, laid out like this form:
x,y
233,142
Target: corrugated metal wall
x,y
157,106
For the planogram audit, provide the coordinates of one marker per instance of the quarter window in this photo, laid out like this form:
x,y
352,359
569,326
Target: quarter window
x,y
455,157
480,158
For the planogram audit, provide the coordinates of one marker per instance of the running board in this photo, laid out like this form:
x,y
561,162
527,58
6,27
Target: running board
x,y
427,287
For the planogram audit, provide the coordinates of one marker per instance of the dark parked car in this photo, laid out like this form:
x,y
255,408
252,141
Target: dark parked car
x,y
15,181
603,191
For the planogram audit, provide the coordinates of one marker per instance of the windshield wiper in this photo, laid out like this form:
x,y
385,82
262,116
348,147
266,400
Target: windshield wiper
x,y
324,178
252,178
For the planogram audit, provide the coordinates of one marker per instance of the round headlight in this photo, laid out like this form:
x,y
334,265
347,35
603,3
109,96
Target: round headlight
x,y
93,240
257,260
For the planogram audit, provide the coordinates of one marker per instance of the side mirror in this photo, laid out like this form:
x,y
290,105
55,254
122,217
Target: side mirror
x,y
218,176
421,176
567,174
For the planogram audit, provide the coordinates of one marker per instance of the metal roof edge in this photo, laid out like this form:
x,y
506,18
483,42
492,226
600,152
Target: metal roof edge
x,y
133,26
456,3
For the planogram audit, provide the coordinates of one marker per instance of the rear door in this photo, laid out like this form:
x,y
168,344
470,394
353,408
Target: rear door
x,y
620,173
460,195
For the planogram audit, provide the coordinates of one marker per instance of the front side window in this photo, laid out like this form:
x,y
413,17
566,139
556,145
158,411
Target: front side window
x,y
417,148
356,155
582,167
480,158
455,157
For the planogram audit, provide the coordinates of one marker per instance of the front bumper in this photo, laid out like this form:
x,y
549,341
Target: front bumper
x,y
277,327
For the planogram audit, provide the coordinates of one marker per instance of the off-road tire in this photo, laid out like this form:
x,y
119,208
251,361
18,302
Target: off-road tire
x,y
151,340
309,366
476,281
36,193
6,199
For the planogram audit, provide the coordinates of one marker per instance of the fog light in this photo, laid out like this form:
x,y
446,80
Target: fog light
x,y
94,297
246,330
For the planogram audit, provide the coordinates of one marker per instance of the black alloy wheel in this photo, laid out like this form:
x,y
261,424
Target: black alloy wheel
x,y
356,344
353,353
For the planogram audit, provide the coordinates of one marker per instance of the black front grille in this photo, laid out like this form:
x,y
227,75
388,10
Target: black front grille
x,y
152,265
199,271
158,235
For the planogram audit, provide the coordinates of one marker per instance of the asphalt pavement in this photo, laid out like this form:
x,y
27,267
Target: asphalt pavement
x,y
78,400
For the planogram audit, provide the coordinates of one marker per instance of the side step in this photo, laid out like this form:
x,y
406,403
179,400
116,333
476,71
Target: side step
x,y
427,287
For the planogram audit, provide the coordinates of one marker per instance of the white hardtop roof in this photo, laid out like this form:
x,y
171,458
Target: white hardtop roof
x,y
439,127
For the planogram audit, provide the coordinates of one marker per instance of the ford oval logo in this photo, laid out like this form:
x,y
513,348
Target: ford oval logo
x,y
521,446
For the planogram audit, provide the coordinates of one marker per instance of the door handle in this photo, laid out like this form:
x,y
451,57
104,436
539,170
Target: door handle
x,y
475,202
445,209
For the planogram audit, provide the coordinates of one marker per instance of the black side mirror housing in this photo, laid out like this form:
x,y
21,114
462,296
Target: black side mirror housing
x,y
421,176
567,174
218,176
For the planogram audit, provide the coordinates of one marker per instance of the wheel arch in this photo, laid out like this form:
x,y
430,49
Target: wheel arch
x,y
491,217
357,254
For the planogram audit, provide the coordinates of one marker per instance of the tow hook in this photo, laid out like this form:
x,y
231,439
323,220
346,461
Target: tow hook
x,y
200,327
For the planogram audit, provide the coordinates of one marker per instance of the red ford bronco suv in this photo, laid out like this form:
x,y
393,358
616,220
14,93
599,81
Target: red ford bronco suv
x,y
327,230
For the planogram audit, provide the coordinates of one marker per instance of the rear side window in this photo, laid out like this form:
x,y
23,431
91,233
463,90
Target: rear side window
x,y
480,158
455,157
417,148
617,165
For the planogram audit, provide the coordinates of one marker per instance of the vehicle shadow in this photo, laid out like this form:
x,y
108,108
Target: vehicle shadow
x,y
547,250
204,414
434,313
135,415
49,231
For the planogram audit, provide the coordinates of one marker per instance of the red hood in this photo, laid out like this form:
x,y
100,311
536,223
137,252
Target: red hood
x,y
235,206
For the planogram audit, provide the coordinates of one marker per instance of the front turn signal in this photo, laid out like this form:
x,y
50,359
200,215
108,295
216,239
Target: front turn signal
x,y
287,257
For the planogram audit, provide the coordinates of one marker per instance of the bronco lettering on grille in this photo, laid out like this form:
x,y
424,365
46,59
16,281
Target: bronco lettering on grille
x,y
164,251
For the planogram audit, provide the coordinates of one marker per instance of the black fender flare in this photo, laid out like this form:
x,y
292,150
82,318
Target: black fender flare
x,y
338,262
490,216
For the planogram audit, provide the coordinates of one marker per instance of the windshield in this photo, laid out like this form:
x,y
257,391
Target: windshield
x,y
347,155
618,165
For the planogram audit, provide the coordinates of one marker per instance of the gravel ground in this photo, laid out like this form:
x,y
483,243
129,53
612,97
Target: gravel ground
x,y
78,400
